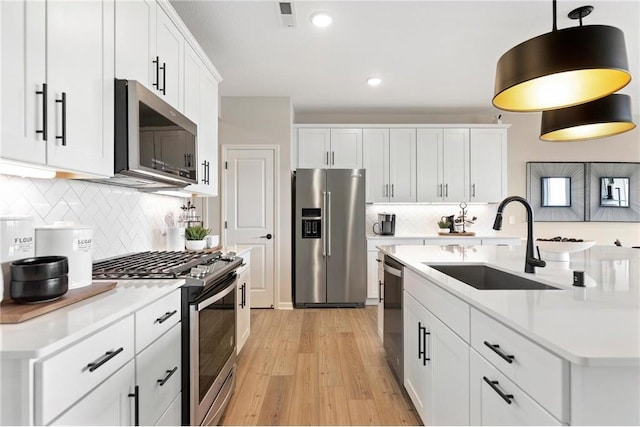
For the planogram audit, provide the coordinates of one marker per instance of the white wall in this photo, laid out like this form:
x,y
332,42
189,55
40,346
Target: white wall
x,y
264,121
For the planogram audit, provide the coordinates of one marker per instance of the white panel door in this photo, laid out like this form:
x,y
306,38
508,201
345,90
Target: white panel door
x,y
456,165
249,215
488,163
402,165
169,48
375,150
346,148
23,53
430,187
314,146
80,74
136,41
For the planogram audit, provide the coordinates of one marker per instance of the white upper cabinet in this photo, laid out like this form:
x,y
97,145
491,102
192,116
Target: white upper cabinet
x,y
170,53
429,157
346,149
455,159
329,148
150,49
23,78
201,106
375,149
136,41
402,165
390,161
72,43
488,165
80,66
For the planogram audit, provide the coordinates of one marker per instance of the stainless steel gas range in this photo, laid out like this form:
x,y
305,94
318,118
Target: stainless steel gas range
x,y
208,322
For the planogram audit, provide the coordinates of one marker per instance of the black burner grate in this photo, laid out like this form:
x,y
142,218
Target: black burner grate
x,y
151,265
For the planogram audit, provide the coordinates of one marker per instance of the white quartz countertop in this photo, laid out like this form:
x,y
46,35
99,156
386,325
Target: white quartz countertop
x,y
595,326
479,235
50,332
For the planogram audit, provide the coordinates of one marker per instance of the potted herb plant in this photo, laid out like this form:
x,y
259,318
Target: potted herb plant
x,y
195,236
443,226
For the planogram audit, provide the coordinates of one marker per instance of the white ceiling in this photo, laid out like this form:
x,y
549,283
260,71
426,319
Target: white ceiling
x,y
433,56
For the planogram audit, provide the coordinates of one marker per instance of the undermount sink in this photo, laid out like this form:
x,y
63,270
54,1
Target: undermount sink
x,y
487,278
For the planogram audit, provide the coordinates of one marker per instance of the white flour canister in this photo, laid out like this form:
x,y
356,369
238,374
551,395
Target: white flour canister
x,y
16,242
73,241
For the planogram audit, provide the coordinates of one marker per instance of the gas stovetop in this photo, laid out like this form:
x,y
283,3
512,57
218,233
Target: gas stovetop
x,y
162,265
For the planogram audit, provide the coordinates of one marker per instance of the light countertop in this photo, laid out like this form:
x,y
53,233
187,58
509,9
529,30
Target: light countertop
x,y
50,332
479,235
595,326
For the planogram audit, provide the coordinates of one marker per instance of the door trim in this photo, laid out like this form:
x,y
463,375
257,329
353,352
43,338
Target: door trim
x,y
276,207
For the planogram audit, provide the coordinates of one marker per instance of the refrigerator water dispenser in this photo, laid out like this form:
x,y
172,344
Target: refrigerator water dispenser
x,y
311,223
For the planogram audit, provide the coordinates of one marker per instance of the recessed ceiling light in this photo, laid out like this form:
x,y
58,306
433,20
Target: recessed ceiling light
x,y
374,81
321,19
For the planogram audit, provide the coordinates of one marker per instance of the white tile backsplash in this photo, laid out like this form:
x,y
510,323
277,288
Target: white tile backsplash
x,y
124,220
416,219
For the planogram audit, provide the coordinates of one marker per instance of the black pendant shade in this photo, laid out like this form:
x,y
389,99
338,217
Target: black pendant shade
x,y
606,116
562,68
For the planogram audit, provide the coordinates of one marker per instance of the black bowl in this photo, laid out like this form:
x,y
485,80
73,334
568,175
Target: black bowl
x,y
39,268
38,290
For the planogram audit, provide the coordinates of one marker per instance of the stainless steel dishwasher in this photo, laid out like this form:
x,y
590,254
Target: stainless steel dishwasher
x,y
392,328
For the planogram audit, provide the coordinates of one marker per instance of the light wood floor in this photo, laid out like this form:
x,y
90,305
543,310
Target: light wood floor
x,y
316,367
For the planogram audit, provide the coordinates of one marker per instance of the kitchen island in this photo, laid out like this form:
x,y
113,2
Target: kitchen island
x,y
573,353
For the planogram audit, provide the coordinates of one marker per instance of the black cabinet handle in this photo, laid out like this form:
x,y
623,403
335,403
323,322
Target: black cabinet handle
x,y
496,349
63,100
380,291
43,92
157,82
244,295
205,172
424,350
104,359
208,172
136,404
164,78
164,380
494,385
378,260
167,315
421,347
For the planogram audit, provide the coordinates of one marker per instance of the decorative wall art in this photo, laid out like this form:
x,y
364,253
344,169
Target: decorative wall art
x,y
556,191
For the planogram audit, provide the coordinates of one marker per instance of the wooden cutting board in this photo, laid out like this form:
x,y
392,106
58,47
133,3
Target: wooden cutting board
x,y
466,233
12,312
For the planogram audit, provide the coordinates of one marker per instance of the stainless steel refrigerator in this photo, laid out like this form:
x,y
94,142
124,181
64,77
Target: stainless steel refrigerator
x,y
330,249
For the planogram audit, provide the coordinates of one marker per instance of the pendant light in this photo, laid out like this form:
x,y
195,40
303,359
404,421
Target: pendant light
x,y
562,68
606,116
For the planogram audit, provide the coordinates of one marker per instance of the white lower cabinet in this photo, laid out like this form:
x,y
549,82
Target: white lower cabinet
x,y
107,405
495,400
380,276
436,367
158,376
173,415
243,314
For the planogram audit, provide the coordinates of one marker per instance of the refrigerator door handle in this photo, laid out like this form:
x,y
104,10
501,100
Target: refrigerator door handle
x,y
329,224
323,230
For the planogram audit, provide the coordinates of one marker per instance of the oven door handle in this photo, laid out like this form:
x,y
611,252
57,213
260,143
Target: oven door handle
x,y
229,285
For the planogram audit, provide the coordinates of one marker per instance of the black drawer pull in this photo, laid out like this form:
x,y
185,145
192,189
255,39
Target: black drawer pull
x,y
496,349
494,385
63,101
167,315
157,82
164,78
169,373
104,359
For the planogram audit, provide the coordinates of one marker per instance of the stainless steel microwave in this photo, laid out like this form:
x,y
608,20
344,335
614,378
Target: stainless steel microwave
x,y
155,145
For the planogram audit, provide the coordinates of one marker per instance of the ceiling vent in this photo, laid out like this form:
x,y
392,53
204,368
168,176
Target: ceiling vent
x,y
286,15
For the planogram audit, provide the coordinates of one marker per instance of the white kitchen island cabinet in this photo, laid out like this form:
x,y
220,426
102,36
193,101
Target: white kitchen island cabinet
x,y
534,357
243,313
73,42
329,148
390,161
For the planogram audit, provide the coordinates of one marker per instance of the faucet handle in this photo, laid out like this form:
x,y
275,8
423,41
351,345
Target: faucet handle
x,y
538,251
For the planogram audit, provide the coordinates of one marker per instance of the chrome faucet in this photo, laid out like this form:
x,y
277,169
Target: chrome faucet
x,y
530,262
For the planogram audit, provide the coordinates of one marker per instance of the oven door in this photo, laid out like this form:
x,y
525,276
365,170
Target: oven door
x,y
212,331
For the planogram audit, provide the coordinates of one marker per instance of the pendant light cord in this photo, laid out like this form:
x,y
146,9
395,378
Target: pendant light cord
x,y
555,17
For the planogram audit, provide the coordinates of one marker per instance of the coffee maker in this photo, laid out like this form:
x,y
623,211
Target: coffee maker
x,y
386,224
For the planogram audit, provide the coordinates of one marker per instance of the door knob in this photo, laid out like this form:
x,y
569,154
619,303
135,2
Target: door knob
x,y
267,236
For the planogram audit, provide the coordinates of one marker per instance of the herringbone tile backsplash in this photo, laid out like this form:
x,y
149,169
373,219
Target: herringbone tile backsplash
x,y
124,219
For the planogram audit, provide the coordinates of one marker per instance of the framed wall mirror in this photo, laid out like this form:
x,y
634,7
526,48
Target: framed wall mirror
x,y
613,192
556,191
